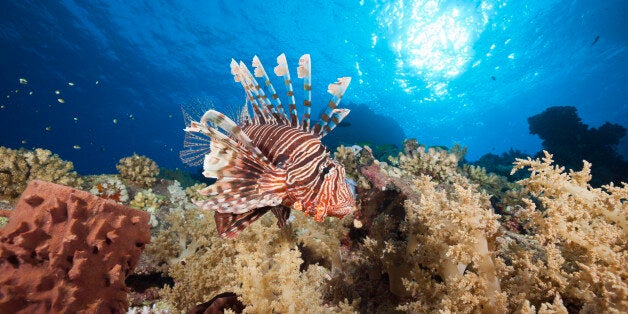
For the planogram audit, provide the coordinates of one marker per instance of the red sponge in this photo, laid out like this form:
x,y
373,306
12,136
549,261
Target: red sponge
x,y
66,250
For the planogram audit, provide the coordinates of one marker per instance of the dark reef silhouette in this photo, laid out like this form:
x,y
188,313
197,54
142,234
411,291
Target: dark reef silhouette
x,y
572,141
365,126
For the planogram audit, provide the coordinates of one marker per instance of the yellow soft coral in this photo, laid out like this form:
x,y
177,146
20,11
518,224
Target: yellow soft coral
x,y
449,231
263,265
435,162
581,236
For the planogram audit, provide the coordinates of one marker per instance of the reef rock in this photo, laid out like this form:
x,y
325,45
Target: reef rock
x,y
65,250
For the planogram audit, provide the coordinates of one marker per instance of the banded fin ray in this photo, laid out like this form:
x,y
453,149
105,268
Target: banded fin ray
x,y
259,71
225,123
238,76
337,90
282,70
304,71
337,116
267,108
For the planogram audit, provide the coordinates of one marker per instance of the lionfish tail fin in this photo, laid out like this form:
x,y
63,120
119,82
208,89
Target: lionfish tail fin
x,y
326,123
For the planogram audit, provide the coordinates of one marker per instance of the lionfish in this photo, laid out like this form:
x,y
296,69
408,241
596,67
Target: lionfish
x,y
272,158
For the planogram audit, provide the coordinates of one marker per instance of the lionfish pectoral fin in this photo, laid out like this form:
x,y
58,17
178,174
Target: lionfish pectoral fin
x,y
245,177
230,225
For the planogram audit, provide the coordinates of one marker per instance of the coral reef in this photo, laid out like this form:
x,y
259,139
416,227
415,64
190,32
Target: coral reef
x,y
580,235
263,266
65,250
432,234
18,167
572,141
140,170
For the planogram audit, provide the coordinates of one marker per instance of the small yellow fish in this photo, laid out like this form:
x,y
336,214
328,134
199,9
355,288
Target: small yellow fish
x,y
97,82
61,100
48,128
57,92
77,147
115,121
30,93
23,81
70,84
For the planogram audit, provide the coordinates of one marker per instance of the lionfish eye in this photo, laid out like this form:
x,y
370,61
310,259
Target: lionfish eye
x,y
325,170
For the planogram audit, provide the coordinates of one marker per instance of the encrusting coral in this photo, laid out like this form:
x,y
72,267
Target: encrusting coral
x,y
140,170
18,167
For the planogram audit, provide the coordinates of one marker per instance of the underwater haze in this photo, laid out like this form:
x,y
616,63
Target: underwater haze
x,y
95,81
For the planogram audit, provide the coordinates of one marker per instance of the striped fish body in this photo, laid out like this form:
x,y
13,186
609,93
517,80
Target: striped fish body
x,y
271,161
314,182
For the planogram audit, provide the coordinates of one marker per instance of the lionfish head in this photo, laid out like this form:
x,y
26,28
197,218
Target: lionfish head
x,y
336,195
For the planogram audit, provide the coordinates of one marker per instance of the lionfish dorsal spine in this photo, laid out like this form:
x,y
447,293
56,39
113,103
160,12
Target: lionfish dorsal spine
x,y
337,90
282,70
259,71
240,77
267,108
337,116
304,71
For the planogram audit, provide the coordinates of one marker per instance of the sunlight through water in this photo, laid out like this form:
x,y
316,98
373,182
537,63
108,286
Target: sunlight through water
x,y
433,40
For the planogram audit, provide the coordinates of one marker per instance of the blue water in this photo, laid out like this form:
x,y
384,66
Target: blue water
x,y
444,72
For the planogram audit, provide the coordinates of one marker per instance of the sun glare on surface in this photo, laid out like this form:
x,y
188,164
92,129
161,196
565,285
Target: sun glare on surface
x,y
433,39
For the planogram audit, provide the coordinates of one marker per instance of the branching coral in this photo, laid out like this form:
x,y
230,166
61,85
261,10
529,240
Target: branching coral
x,y
268,263
435,162
140,170
347,156
201,263
263,266
581,235
18,167
449,231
